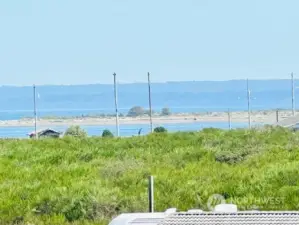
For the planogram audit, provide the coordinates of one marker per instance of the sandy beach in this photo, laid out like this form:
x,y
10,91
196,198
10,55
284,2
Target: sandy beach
x,y
266,117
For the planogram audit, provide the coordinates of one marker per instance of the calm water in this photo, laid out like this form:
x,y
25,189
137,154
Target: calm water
x,y
199,96
125,130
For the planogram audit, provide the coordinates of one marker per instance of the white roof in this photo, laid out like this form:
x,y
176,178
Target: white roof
x,y
138,218
198,217
236,218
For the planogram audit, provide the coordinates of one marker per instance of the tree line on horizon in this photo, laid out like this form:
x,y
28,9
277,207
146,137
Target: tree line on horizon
x,y
135,111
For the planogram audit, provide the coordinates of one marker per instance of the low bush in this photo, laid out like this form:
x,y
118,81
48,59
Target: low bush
x,y
75,131
90,180
160,130
107,133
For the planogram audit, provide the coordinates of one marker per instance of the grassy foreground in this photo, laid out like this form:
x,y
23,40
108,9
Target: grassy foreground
x,y
88,181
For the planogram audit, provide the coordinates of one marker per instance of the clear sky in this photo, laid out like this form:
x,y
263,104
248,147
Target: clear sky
x,y
79,42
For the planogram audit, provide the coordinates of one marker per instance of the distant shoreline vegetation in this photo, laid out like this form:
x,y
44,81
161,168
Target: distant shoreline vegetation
x,y
138,111
135,111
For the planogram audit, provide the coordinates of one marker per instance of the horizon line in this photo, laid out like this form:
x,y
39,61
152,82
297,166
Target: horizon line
x,y
144,82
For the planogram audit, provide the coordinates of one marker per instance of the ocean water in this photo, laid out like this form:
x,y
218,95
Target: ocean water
x,y
125,130
197,96
17,102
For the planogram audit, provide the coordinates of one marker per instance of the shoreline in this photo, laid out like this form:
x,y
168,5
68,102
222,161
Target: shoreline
x,y
265,117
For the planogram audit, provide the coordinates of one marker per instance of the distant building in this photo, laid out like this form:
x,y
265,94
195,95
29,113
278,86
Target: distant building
x,y
46,133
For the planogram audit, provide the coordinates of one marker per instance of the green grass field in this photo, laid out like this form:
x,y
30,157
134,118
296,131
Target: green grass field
x,y
88,181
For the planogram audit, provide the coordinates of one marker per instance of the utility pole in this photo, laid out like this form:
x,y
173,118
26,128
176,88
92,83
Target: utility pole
x,y
150,102
248,102
151,194
35,113
229,120
293,94
116,106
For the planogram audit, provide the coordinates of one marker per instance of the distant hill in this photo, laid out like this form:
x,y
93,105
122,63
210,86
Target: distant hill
x,y
180,86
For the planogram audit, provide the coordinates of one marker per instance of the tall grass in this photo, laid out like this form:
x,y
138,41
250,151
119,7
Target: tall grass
x,y
90,180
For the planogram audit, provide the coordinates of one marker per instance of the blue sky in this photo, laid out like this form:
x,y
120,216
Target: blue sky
x,y
79,42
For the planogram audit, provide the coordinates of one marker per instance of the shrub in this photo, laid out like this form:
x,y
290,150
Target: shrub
x,y
147,112
89,181
160,130
76,208
165,112
136,111
228,157
107,133
75,131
